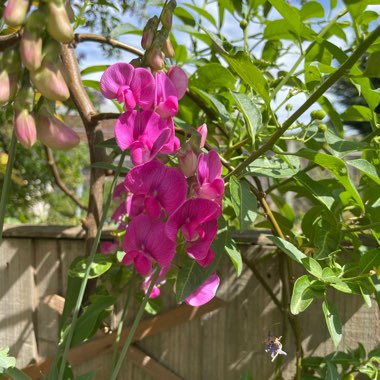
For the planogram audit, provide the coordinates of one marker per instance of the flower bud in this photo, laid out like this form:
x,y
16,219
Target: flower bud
x,y
58,24
318,114
203,132
69,11
148,33
167,14
168,48
55,134
8,86
25,128
31,41
15,12
188,161
155,59
49,80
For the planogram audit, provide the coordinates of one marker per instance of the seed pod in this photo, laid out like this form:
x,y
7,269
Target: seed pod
x,y
15,12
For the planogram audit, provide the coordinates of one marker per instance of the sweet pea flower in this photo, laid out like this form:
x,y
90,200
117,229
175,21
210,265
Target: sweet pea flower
x,y
210,182
108,247
133,87
202,130
205,293
179,79
166,99
197,220
144,133
145,242
156,290
155,189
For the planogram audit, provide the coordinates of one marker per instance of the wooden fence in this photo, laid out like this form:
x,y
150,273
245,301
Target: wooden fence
x,y
219,341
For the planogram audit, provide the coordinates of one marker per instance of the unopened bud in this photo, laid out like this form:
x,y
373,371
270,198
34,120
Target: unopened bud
x,y
148,33
15,12
55,134
155,59
202,130
50,81
179,79
25,128
168,49
58,24
318,114
167,14
8,86
69,11
188,161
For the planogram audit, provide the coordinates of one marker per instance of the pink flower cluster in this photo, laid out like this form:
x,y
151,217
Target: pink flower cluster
x,y
160,206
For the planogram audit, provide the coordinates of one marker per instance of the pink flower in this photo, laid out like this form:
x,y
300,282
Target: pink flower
x,y
155,188
144,133
205,293
197,220
156,290
202,130
166,102
179,79
133,87
144,242
210,182
108,247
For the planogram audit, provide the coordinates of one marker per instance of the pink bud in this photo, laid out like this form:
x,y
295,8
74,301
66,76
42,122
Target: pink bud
x,y
179,79
58,24
25,128
167,14
148,33
188,161
155,59
15,12
55,134
168,48
31,50
203,132
8,86
49,80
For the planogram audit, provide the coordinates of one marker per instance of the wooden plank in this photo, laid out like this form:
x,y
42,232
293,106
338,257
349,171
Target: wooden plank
x,y
151,326
17,301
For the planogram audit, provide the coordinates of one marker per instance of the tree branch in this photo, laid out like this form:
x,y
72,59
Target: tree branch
x,y
104,116
58,179
9,39
83,37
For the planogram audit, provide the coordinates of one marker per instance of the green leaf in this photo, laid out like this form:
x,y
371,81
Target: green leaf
x,y
301,297
331,372
94,84
251,113
316,189
288,248
333,322
125,28
373,68
202,12
365,167
357,113
234,253
191,275
244,202
328,275
5,360
154,305
212,76
100,265
277,166
370,260
343,147
184,16
87,376
278,29
337,167
110,143
16,374
312,9
94,69
312,266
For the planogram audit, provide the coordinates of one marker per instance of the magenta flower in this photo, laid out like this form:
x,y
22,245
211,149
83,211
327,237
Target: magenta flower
x,y
161,279
145,242
202,130
133,87
210,182
108,247
205,293
197,220
156,189
179,79
144,133
166,102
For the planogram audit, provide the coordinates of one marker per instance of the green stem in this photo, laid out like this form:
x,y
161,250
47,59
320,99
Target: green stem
x,y
332,79
136,322
7,181
90,260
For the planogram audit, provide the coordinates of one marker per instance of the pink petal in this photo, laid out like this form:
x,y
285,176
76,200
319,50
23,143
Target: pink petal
x,y
203,132
168,108
124,128
143,87
208,259
143,265
117,75
152,207
205,293
215,165
108,247
179,79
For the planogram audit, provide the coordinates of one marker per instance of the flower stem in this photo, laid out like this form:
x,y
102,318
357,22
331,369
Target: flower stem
x,y
136,322
90,260
7,181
